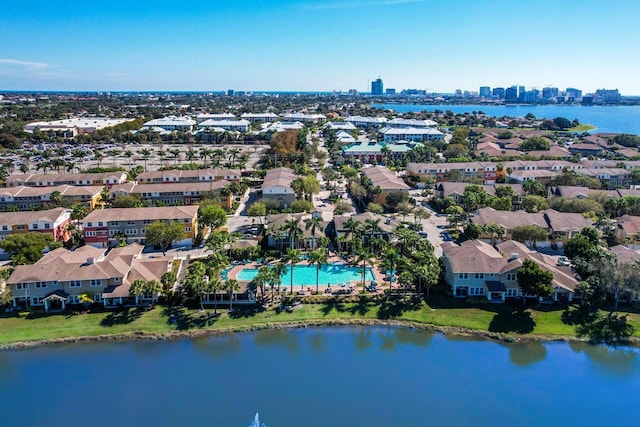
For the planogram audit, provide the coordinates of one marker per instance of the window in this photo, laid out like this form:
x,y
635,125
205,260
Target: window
x,y
36,300
464,275
35,226
187,229
95,282
41,285
47,226
479,275
20,286
5,228
75,283
100,224
90,233
511,276
97,298
73,299
89,224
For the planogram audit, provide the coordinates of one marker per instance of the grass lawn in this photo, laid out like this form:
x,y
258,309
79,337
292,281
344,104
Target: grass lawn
x,y
582,127
446,312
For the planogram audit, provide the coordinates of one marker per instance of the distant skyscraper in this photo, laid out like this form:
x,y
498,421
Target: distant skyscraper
x,y
574,93
511,94
498,92
377,88
549,92
485,92
607,96
390,91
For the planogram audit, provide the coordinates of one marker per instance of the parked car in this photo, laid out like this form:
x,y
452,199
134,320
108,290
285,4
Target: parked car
x,y
564,261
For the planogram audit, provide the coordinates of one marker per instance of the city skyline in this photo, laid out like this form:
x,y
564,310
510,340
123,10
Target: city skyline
x,y
291,46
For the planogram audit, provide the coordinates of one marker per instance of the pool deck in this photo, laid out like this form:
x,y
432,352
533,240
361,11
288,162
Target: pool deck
x,y
379,275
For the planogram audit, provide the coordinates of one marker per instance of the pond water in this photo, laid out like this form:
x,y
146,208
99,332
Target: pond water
x,y
350,376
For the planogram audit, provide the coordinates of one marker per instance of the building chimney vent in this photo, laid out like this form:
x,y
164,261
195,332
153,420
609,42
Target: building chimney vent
x,y
90,261
514,256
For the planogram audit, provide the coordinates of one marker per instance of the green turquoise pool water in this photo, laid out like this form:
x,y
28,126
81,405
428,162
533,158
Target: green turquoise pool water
x,y
331,274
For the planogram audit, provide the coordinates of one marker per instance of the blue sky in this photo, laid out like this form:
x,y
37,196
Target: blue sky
x,y
440,45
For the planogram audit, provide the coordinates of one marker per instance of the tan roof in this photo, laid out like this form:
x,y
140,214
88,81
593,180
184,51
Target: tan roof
x,y
624,254
508,219
68,177
575,192
278,177
187,173
473,256
629,224
28,217
138,214
385,178
566,221
170,187
65,191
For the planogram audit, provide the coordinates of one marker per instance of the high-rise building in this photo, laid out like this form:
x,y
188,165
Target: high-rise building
x,y
485,92
511,94
390,91
573,93
607,96
549,92
377,88
498,92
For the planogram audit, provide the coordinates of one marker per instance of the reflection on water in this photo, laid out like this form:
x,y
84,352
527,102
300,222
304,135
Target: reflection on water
x,y
611,360
362,339
277,337
317,340
528,353
218,346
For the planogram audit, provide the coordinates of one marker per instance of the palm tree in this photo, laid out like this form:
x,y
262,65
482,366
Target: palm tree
x,y
313,223
262,278
318,258
97,156
176,155
293,256
137,289
372,226
162,154
233,153
352,226
231,285
128,154
204,153
190,154
214,286
364,257
293,230
146,154
278,270
390,257
113,153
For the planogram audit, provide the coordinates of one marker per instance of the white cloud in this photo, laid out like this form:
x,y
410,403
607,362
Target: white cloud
x,y
27,64
364,3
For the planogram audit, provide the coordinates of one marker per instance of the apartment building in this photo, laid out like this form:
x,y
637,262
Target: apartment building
x,y
52,221
106,227
410,134
191,175
277,186
29,198
62,276
175,193
78,179
386,180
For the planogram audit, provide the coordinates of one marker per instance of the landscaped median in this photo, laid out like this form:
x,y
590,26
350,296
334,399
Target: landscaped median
x,y
498,321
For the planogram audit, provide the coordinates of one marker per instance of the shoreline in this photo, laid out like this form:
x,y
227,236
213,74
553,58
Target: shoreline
x,y
199,333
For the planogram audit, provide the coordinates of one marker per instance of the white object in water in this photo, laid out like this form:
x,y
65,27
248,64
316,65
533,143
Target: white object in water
x,y
256,422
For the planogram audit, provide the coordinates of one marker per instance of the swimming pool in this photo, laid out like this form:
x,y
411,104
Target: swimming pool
x,y
331,274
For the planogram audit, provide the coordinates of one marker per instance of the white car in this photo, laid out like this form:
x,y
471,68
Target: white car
x,y
564,261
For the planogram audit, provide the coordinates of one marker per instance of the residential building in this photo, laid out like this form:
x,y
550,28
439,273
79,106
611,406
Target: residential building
x,y
277,186
171,123
386,181
511,94
337,126
549,92
62,276
609,177
410,134
607,96
275,127
225,125
76,179
175,193
410,123
107,227
628,231
340,232
190,175
456,190
498,92
368,152
260,117
29,198
54,222
477,269
366,122
219,116
304,118
485,92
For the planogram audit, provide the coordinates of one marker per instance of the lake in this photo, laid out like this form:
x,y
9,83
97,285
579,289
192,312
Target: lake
x,y
347,376
615,119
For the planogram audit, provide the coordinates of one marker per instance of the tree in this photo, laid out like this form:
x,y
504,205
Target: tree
x,y
394,198
231,286
146,154
313,223
318,258
168,279
473,196
534,203
532,280
533,187
535,143
263,277
293,256
621,278
364,257
78,212
579,246
162,235
257,209
212,216
27,248
126,201
292,228
301,206
138,289
529,234
375,208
